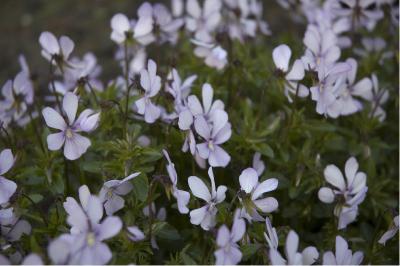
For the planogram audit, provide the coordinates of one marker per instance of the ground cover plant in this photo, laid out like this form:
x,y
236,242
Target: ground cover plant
x,y
219,142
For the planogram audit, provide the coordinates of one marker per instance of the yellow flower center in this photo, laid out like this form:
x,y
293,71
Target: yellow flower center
x,y
68,133
90,239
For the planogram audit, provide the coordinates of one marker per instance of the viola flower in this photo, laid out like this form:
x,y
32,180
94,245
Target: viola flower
x,y
84,245
214,135
258,164
214,55
360,13
151,84
228,252
293,257
75,144
12,227
121,28
18,94
7,187
326,92
281,56
343,255
322,49
205,216
348,103
135,234
111,192
252,190
203,20
394,228
349,193
271,236
156,23
56,51
182,197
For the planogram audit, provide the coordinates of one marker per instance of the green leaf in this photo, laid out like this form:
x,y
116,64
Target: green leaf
x,y
141,187
249,250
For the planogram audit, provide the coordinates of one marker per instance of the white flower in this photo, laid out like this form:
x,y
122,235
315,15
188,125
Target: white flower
x,y
228,252
121,28
271,236
205,216
182,197
293,257
215,133
391,232
214,55
75,144
203,20
151,84
7,187
56,51
343,255
281,56
111,192
252,190
352,191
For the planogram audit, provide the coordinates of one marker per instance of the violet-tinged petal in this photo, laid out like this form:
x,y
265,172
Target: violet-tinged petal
x,y
109,228
248,179
6,161
53,118
55,141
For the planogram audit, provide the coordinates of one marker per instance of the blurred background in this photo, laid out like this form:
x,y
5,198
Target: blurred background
x,y
86,22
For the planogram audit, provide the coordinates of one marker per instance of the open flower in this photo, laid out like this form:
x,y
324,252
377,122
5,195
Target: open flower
x,y
182,197
151,84
214,134
252,190
203,20
281,56
56,51
214,55
394,228
228,252
111,192
75,144
343,255
205,216
85,243
293,257
7,187
121,28
349,193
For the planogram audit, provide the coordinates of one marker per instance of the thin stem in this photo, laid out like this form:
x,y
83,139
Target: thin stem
x,y
93,92
36,130
53,87
128,88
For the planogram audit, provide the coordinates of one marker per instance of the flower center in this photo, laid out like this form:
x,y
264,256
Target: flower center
x,y
210,145
90,239
68,133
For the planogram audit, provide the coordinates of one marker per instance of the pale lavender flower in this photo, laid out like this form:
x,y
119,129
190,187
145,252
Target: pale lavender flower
x,y
271,236
322,50
203,20
343,255
151,84
377,97
7,187
208,106
182,197
12,227
75,144
214,134
239,22
281,56
258,164
251,192
111,192
214,55
121,28
135,234
359,13
351,191
205,215
307,257
348,103
228,252
394,228
56,51
84,245
156,16
326,92
31,259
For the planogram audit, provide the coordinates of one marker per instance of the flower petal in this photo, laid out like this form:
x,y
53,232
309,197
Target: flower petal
x,y
70,106
281,56
248,179
266,186
199,189
109,227
326,195
334,176
53,118
55,141
6,161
